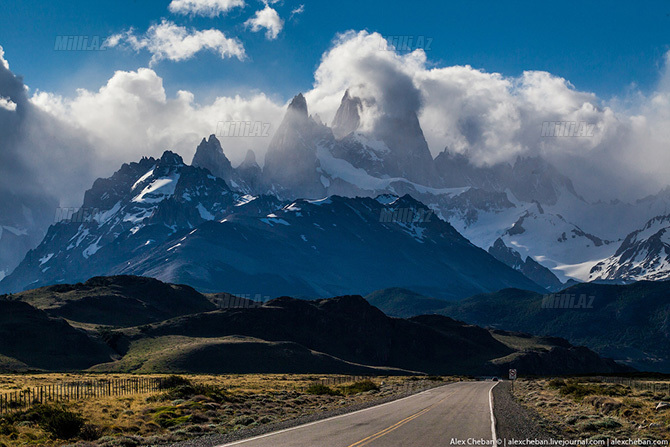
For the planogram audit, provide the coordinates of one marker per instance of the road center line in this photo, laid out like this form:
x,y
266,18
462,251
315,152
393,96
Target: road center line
x,y
321,421
395,426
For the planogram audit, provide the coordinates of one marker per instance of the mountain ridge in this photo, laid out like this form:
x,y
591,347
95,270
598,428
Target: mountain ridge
x,y
344,334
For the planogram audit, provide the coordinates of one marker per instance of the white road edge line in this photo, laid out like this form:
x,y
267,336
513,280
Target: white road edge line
x,y
329,419
493,418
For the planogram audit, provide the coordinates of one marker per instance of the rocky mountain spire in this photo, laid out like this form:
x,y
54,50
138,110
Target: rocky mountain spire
x,y
410,156
249,171
347,119
298,105
249,160
291,163
209,155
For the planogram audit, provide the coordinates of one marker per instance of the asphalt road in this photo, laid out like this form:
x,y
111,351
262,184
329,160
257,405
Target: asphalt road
x,y
443,416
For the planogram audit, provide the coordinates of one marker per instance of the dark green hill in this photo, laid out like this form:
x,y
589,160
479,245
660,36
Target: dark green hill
x,y
351,329
342,334
403,303
31,337
120,301
231,355
630,323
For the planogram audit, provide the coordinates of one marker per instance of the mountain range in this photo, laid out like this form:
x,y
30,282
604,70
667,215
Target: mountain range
x,y
135,324
179,223
527,206
526,214
629,323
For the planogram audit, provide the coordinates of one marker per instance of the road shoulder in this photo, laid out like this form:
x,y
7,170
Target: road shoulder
x,y
513,420
220,439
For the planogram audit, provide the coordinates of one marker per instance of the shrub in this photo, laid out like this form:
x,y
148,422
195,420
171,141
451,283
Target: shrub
x,y
319,389
190,391
578,391
6,428
600,424
556,383
174,382
168,417
54,419
62,424
361,387
90,432
243,420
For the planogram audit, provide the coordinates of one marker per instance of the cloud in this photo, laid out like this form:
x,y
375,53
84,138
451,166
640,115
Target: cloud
x,y
32,145
490,117
131,116
297,11
267,18
383,79
494,119
208,8
7,104
177,43
3,62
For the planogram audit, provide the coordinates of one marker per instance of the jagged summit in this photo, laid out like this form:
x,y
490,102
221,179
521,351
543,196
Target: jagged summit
x,y
347,119
291,162
170,158
249,160
643,255
530,268
209,155
250,173
299,105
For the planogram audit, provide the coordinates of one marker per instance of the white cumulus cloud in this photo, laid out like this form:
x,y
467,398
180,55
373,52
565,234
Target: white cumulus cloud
x,y
7,104
494,118
177,43
208,8
3,61
267,18
131,116
490,117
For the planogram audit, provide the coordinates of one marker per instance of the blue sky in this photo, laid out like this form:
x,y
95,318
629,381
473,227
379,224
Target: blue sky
x,y
602,47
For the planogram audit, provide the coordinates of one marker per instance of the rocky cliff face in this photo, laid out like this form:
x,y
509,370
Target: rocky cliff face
x,y
291,165
643,255
209,155
126,215
347,119
529,267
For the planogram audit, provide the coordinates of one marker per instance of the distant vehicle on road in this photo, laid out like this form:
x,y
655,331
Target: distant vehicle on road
x,y
495,379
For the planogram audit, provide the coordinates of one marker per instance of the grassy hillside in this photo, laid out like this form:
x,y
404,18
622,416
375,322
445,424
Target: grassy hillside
x,y
29,337
403,303
230,355
630,323
149,326
117,301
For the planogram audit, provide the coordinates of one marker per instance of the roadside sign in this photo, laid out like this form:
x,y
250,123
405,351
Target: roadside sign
x,y
512,374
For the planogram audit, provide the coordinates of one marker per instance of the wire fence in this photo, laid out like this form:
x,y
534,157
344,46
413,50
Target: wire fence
x,y
655,386
340,380
71,391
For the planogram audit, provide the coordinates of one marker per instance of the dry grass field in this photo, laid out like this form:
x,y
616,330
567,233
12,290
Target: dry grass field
x,y
195,405
583,408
